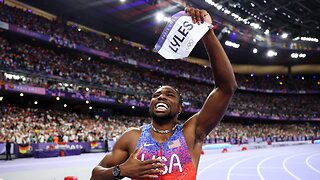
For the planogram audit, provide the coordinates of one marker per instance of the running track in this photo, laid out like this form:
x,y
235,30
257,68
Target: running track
x,y
290,162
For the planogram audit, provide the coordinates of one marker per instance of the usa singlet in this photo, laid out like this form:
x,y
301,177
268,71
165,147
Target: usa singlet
x,y
174,152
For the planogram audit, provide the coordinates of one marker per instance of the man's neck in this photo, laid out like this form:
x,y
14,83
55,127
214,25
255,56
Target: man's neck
x,y
162,127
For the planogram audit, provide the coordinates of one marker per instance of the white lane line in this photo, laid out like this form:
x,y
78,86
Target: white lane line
x,y
261,162
239,162
285,167
245,174
309,165
207,167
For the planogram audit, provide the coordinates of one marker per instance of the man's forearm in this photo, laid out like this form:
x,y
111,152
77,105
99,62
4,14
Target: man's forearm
x,y
221,67
101,173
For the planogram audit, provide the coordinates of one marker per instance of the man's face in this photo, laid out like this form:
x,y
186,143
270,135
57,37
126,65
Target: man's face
x,y
164,105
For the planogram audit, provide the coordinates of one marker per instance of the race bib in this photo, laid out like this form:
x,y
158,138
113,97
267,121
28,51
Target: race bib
x,y
180,36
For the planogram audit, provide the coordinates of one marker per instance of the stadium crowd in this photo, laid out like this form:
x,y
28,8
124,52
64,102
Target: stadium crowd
x,y
118,50
33,125
63,70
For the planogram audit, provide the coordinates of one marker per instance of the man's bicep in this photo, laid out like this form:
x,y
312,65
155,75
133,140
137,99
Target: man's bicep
x,y
116,157
212,111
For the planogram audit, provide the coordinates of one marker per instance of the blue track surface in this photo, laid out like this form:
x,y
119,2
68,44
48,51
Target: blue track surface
x,y
291,162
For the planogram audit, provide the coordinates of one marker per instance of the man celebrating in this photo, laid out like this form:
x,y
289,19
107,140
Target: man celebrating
x,y
164,149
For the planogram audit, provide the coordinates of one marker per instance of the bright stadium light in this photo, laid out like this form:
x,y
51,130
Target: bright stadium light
x,y
122,1
159,16
294,55
1,98
58,98
90,107
309,39
87,102
302,55
21,94
266,32
35,102
255,50
232,44
65,105
255,25
297,55
284,36
271,53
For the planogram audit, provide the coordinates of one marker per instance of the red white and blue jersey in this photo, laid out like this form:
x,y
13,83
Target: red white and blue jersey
x,y
174,152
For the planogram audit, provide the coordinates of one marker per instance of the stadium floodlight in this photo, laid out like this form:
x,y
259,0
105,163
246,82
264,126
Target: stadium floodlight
x,y
232,44
219,7
35,102
159,16
133,107
255,50
309,39
57,98
294,55
284,36
271,53
87,102
65,105
255,25
90,107
296,38
1,98
21,94
266,32
226,11
122,1
302,55
297,55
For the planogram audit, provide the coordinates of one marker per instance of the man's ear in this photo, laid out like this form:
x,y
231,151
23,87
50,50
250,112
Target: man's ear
x,y
180,108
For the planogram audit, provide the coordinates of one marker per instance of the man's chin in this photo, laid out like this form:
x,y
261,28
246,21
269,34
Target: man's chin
x,y
161,117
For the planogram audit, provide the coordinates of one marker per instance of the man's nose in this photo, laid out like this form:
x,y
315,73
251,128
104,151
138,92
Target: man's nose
x,y
162,96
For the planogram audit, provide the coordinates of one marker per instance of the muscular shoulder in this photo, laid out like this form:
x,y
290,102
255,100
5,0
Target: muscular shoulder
x,y
129,139
133,131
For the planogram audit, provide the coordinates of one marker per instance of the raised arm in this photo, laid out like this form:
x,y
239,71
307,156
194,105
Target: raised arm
x,y
218,100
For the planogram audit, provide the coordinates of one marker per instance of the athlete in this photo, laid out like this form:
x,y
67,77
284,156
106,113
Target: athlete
x,y
164,149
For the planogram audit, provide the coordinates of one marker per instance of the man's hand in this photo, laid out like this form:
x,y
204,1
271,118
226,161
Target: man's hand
x,y
137,169
198,16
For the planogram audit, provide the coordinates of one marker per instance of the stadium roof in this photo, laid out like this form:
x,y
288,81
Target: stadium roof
x,y
135,20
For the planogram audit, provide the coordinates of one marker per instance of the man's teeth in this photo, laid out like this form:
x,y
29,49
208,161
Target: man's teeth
x,y
161,105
